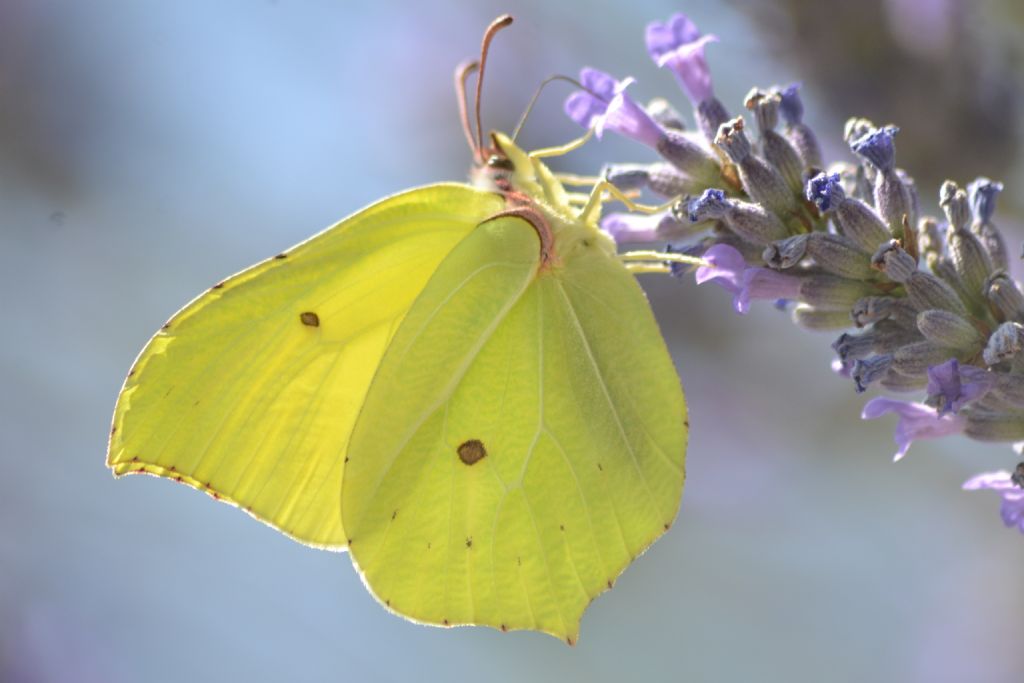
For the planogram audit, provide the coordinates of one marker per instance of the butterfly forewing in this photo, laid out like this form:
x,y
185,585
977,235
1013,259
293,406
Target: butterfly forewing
x,y
251,391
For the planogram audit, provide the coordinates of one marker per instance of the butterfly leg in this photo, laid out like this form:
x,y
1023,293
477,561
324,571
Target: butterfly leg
x,y
650,261
592,209
578,180
581,198
562,150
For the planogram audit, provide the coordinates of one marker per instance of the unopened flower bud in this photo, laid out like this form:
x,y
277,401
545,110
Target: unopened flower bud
x,y
762,182
1005,296
852,347
829,291
882,338
876,145
626,177
953,201
856,127
915,358
894,261
839,255
1010,388
786,253
666,181
711,114
765,106
777,149
665,114
985,426
929,241
893,202
892,199
926,291
870,370
826,191
662,178
823,319
1004,344
799,133
853,218
971,262
994,244
750,221
982,194
949,330
894,380
915,199
943,268
689,157
873,309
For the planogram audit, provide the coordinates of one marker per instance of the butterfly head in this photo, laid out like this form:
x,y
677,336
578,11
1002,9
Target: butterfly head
x,y
529,187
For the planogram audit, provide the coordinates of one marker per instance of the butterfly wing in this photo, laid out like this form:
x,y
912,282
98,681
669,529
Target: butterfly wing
x,y
250,392
521,443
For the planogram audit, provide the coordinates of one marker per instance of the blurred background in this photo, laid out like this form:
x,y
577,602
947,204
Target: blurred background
x,y
149,149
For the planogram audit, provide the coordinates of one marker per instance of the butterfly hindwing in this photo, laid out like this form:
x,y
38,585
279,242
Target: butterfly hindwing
x,y
521,443
250,392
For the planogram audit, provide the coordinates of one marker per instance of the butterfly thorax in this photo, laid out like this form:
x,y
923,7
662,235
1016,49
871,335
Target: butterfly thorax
x,y
532,192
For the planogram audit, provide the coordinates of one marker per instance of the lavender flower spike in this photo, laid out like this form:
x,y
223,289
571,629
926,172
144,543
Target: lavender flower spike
x,y
678,44
607,107
729,270
916,421
1007,485
951,385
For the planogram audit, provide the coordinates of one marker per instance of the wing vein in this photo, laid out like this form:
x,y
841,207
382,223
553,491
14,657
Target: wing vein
x,y
607,396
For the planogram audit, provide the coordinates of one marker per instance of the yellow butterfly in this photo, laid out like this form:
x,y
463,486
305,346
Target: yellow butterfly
x,y
463,385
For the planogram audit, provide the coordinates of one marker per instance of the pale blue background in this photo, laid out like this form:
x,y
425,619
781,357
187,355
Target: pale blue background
x,y
149,149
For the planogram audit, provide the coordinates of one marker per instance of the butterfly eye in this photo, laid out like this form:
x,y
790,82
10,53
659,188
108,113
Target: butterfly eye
x,y
503,163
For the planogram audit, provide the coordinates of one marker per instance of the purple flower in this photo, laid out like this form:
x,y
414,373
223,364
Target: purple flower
x,y
982,193
606,106
951,386
678,44
1012,508
877,147
825,191
710,205
791,107
730,271
632,227
916,421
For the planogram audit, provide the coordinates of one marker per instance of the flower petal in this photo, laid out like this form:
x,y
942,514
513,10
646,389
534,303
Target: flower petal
x,y
600,83
917,421
631,227
583,108
726,269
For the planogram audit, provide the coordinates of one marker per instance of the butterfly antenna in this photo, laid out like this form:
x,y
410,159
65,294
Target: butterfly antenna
x,y
496,25
536,94
462,72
